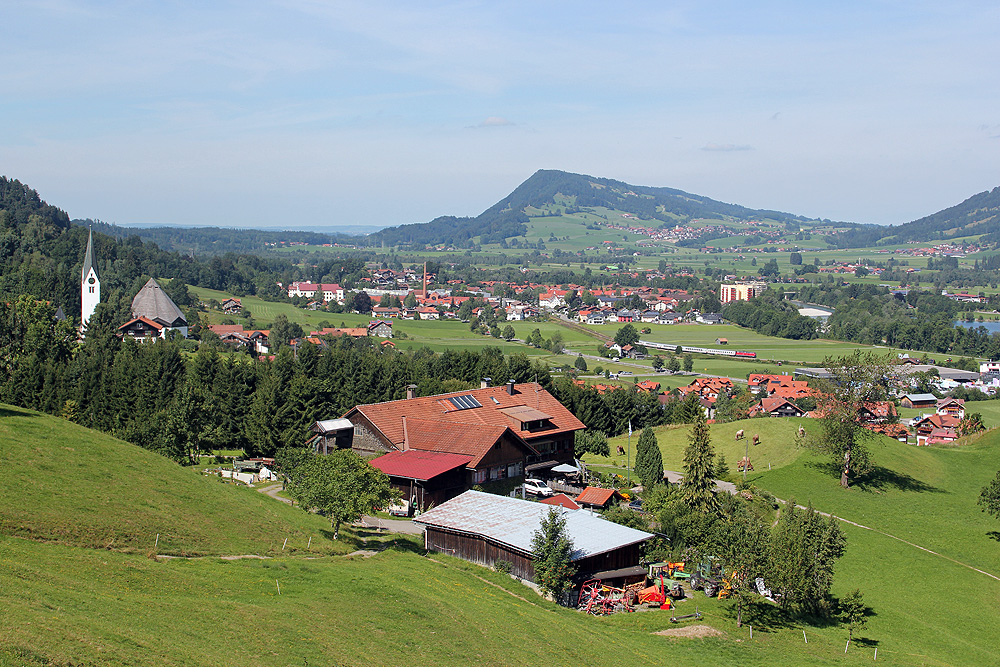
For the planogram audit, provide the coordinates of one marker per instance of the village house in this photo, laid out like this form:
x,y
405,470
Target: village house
x,y
776,407
232,306
954,407
596,497
154,314
877,412
380,328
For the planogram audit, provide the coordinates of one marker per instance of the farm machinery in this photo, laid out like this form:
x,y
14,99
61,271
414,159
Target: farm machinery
x,y
710,577
600,599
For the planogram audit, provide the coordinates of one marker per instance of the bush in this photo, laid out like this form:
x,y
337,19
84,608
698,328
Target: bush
x,y
503,566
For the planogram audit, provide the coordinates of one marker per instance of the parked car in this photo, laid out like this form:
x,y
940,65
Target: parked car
x,y
537,487
625,373
635,504
400,508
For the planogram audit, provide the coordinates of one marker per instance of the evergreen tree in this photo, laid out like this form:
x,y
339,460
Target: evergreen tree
x,y
553,551
648,459
580,364
804,549
853,612
697,487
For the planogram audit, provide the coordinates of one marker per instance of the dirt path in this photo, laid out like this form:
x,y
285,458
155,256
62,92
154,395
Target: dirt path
x,y
273,490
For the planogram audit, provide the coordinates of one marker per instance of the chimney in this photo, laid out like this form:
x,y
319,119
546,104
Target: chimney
x,y
411,391
485,384
406,436
510,387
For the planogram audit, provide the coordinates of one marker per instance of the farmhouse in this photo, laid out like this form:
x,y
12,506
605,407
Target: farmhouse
x,y
501,431
776,407
484,528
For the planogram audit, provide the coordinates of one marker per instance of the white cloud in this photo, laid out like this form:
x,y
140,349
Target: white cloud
x,y
496,121
726,148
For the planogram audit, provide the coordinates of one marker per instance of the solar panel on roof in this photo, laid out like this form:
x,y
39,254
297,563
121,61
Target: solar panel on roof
x,y
464,402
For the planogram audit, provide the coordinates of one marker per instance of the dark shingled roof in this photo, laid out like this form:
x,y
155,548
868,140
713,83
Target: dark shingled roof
x,y
89,261
152,302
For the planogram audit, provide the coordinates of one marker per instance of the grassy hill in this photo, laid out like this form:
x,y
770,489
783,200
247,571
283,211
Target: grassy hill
x,y
65,603
74,486
925,556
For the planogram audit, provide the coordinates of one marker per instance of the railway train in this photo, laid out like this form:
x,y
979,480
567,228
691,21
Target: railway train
x,y
739,354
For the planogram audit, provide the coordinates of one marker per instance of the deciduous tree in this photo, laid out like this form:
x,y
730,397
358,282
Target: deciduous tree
x,y
342,486
856,380
989,497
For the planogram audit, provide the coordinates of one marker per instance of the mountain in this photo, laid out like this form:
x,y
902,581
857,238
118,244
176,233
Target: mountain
x,y
508,217
979,214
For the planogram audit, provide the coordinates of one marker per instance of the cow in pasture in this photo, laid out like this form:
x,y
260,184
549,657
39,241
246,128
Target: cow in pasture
x,y
739,434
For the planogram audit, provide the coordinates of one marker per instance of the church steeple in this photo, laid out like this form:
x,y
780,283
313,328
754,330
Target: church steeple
x,y
90,283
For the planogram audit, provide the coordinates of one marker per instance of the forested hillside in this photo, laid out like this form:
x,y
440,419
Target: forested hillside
x,y
979,214
215,240
507,217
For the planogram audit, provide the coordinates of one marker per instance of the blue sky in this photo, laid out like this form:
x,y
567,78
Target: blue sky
x,y
305,112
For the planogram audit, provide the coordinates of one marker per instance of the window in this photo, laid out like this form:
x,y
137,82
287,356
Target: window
x,y
91,290
479,477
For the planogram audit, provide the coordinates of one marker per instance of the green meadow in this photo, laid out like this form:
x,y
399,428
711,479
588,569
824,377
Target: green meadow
x,y
70,598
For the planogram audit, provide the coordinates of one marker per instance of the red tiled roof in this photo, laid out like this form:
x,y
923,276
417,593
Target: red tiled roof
x,y
562,500
772,404
417,464
223,329
470,440
146,320
388,417
595,496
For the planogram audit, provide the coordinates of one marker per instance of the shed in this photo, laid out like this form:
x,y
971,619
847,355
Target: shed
x,y
484,528
919,401
331,435
593,496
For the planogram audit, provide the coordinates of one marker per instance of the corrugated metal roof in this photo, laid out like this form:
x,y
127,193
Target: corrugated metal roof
x,y
327,425
512,522
415,464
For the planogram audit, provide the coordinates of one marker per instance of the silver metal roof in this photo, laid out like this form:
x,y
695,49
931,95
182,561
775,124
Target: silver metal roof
x,y
512,521
335,425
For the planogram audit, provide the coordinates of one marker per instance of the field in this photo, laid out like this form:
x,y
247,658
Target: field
x,y
83,488
926,603
67,603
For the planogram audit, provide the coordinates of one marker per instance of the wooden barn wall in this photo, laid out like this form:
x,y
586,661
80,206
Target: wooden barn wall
x,y
478,550
612,560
